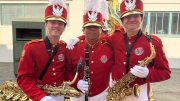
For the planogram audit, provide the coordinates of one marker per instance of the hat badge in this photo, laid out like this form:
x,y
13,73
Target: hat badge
x,y
57,11
93,16
130,4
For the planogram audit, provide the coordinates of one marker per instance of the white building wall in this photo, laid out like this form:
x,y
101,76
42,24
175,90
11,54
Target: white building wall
x,y
74,29
6,46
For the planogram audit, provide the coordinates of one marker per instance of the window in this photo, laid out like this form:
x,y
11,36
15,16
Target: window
x,y
165,23
175,23
9,12
162,23
145,22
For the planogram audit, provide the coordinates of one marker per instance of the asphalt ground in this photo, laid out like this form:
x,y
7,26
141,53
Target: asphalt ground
x,y
168,90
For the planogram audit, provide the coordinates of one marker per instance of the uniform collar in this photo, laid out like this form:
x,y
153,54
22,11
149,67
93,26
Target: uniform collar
x,y
94,45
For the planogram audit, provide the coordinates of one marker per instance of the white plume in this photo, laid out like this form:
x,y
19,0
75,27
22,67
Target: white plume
x,y
104,9
60,2
91,5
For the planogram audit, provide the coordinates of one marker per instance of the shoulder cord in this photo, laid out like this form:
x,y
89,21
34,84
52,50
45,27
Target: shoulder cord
x,y
129,48
51,56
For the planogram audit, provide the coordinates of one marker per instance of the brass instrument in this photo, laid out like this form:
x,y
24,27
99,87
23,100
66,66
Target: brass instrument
x,y
122,89
10,91
63,89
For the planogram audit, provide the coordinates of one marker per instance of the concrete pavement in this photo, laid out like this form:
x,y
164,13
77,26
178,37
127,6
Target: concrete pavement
x,y
163,91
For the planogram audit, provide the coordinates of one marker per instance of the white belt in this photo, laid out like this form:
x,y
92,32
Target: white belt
x,y
58,98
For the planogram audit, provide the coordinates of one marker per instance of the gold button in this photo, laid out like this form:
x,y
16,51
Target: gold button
x,y
53,69
92,51
124,63
54,74
92,72
92,61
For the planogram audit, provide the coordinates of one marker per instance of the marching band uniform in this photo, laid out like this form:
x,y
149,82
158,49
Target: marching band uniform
x,y
101,60
100,64
32,62
34,58
158,69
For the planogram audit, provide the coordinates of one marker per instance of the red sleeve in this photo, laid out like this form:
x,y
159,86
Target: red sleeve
x,y
160,69
70,70
26,75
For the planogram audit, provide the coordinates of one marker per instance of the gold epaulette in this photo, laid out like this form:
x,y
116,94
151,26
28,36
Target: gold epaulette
x,y
119,28
35,41
61,42
121,31
81,41
155,37
104,41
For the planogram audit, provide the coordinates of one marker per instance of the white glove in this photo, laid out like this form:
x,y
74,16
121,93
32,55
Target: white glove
x,y
112,83
83,86
47,98
141,72
71,43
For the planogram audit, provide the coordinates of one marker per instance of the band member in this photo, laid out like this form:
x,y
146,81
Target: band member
x,y
43,61
97,56
131,46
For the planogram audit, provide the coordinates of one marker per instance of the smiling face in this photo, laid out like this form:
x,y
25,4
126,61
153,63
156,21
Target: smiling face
x,y
54,28
132,23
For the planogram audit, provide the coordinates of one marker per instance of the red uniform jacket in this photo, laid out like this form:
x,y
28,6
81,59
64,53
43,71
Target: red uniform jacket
x,y
158,68
101,60
32,62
